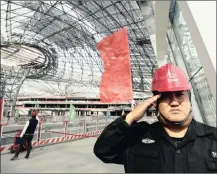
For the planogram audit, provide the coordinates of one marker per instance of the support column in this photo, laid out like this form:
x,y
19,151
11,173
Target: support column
x,y
157,26
17,92
149,19
200,34
162,19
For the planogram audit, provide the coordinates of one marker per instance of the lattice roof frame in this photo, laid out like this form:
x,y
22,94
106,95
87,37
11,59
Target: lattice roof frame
x,y
104,18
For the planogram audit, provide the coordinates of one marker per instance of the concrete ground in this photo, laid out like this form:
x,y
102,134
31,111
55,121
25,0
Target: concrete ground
x,y
70,157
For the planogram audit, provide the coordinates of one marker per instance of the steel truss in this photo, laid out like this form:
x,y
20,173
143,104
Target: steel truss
x,y
56,41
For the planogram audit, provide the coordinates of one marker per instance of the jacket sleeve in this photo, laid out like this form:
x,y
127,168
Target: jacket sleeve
x,y
115,139
24,129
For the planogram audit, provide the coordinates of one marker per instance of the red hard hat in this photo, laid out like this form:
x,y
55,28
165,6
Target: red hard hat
x,y
170,78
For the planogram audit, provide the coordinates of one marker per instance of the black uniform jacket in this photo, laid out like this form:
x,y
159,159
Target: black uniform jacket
x,y
143,148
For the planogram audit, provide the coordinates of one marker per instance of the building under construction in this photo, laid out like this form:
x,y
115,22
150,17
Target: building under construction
x,y
50,62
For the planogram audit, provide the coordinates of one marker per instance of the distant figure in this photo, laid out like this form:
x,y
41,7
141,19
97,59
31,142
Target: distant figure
x,y
8,117
27,135
17,115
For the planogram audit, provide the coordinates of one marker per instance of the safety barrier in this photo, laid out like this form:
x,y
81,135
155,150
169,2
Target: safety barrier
x,y
91,126
102,124
49,141
48,119
51,133
8,133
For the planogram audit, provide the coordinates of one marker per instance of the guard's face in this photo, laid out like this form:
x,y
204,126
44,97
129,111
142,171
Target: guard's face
x,y
34,113
174,106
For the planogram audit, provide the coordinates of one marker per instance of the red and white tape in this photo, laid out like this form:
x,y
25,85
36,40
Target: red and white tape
x,y
5,149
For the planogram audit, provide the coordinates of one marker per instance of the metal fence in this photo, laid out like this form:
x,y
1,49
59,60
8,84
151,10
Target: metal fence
x,y
53,130
50,119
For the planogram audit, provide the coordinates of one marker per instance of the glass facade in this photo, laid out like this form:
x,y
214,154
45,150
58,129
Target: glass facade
x,y
182,52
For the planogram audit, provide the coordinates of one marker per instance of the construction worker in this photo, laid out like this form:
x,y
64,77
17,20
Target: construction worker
x,y
17,116
28,134
8,117
176,143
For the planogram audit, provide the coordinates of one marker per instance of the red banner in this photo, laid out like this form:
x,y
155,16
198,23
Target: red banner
x,y
1,107
116,82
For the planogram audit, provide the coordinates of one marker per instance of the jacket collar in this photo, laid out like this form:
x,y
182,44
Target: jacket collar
x,y
195,129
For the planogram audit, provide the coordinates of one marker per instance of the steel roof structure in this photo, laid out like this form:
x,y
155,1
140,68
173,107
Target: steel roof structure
x,y
50,46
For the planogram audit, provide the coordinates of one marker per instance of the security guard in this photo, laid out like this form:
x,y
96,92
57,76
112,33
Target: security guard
x,y
175,144
28,134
